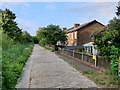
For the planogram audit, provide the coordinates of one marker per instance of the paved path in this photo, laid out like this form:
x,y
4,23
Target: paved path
x,y
45,69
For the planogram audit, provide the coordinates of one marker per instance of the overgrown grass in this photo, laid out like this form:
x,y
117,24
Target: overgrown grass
x,y
103,79
51,49
13,61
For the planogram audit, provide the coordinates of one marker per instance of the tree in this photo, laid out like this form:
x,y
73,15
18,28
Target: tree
x,y
41,37
35,39
52,34
9,26
26,36
118,9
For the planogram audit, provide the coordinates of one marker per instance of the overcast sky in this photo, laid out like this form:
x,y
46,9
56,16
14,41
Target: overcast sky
x,y
31,15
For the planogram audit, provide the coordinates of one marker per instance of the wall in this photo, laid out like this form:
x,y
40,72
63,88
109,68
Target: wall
x,y
85,33
72,41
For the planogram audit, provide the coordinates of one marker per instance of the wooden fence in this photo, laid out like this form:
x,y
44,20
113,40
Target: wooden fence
x,y
100,61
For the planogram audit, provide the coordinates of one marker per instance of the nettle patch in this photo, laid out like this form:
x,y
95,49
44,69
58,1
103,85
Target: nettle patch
x,y
13,61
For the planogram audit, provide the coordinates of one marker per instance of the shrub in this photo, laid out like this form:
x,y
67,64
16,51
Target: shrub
x,y
13,60
6,41
108,43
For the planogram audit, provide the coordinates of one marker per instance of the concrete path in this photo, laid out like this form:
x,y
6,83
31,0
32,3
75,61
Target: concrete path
x,y
45,69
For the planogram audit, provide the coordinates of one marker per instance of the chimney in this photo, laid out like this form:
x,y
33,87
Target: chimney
x,y
76,25
64,29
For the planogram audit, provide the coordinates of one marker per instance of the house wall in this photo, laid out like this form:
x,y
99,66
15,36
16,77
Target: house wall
x,y
72,38
83,35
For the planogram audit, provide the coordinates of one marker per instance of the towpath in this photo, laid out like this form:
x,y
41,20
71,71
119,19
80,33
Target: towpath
x,y
45,69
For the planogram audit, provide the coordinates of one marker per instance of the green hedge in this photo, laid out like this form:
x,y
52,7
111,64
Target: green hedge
x,y
6,41
13,61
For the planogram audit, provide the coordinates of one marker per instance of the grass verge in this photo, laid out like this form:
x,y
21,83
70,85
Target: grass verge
x,y
13,61
50,49
102,79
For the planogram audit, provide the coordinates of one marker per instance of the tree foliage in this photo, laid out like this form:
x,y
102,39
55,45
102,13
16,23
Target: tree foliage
x,y
51,34
40,35
26,36
9,26
14,55
108,36
118,9
35,39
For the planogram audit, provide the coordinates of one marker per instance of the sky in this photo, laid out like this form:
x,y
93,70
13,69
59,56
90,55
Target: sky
x,y
31,15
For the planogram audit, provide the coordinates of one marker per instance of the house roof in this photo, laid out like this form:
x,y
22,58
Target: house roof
x,y
81,26
88,44
73,47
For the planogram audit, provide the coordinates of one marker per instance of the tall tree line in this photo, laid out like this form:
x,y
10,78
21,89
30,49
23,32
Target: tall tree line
x,y
10,27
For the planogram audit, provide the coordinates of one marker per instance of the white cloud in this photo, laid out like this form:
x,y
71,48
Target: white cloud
x,y
50,6
26,4
59,0
105,7
11,4
102,11
27,25
84,19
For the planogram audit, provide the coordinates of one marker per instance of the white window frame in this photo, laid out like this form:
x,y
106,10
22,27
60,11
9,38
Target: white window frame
x,y
75,35
72,35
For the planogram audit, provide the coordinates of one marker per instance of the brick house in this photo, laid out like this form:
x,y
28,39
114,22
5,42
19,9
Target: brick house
x,y
80,34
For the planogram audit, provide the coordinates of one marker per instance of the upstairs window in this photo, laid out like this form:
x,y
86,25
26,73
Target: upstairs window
x,y
71,35
75,35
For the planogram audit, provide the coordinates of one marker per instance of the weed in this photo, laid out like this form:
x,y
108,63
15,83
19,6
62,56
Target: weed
x,y
112,82
97,79
102,83
106,72
85,71
52,50
108,84
105,78
13,60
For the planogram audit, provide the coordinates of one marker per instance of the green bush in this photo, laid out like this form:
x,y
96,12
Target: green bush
x,y
114,60
108,44
6,41
13,61
52,50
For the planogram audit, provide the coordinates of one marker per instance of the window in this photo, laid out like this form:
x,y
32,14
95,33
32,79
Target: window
x,y
71,35
75,35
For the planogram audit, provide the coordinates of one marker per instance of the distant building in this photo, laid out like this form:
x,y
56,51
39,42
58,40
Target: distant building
x,y
80,34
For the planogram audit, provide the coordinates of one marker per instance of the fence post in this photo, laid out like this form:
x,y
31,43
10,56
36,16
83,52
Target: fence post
x,y
82,55
73,53
95,60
